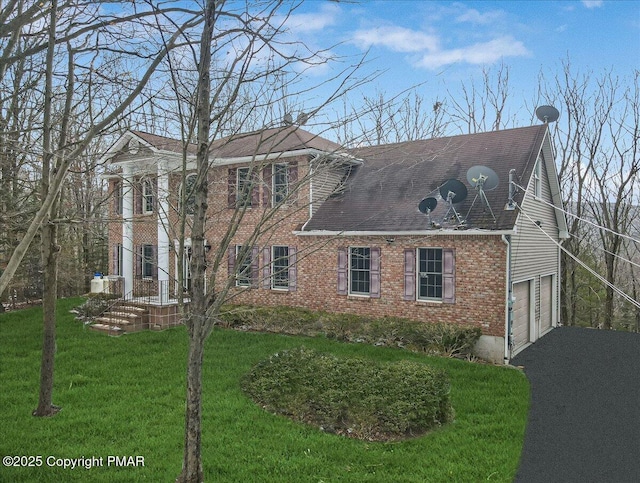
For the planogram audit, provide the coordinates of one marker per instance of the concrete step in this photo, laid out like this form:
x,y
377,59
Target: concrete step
x,y
107,329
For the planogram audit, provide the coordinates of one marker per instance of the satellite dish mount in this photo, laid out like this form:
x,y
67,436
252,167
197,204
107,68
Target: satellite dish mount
x,y
453,192
482,179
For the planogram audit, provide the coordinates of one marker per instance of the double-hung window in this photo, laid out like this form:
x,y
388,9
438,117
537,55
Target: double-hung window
x,y
243,259
360,270
280,180
189,195
243,187
147,196
430,273
280,268
148,261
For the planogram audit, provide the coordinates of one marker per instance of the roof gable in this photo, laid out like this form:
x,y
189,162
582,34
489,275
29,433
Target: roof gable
x,y
384,192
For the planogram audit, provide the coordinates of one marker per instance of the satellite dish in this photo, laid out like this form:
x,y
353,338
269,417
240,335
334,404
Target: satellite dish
x,y
454,186
427,205
288,119
547,114
482,177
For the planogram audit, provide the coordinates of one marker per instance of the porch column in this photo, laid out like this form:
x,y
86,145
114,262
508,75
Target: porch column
x,y
127,228
163,232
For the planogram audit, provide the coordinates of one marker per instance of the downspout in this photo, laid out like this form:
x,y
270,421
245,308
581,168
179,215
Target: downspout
x,y
508,303
310,190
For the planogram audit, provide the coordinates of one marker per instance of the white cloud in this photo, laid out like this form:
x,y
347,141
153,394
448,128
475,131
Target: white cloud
x,y
314,22
480,53
397,39
592,3
475,17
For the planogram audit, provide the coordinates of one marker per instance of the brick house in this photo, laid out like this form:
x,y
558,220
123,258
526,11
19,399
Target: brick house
x,y
381,230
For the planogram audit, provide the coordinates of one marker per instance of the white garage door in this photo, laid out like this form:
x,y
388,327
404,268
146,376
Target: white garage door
x,y
521,314
546,303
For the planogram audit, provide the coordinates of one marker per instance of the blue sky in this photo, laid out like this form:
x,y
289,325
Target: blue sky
x,y
442,44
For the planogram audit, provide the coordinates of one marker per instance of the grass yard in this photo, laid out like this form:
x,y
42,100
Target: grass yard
x,y
125,397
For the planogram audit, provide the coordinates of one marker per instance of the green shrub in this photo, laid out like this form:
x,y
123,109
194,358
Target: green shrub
x,y
436,338
352,397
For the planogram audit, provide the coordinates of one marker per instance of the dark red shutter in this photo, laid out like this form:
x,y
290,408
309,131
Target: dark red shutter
x,y
448,275
409,274
231,190
255,267
293,269
231,260
374,289
343,261
255,189
267,182
266,268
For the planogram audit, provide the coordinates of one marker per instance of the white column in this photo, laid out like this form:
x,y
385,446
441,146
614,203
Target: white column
x,y
163,233
127,229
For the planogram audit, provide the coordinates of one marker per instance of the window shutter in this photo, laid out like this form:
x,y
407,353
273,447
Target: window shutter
x,y
343,261
409,274
255,267
267,181
154,193
266,268
154,262
374,270
115,264
293,179
448,275
231,190
231,260
255,189
293,270
138,255
137,195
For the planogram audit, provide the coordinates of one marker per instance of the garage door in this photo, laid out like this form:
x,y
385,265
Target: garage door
x,y
546,303
521,314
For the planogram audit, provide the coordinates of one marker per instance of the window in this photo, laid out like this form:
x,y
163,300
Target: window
x,y
243,276
359,270
280,269
148,261
537,179
430,273
147,196
243,188
190,197
280,181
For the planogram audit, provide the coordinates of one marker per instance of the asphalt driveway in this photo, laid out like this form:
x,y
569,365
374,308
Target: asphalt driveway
x,y
584,420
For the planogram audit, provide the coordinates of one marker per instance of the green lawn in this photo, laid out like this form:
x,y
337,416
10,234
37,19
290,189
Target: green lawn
x,y
125,397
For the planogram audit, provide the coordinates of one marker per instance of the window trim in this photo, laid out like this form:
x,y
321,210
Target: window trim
x,y
243,199
147,262
351,269
239,268
283,270
274,191
184,185
537,179
419,275
148,196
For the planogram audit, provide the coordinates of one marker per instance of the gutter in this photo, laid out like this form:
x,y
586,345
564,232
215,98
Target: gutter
x,y
440,232
508,325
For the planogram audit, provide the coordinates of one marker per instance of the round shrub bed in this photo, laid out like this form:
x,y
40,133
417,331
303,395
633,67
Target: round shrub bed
x,y
353,397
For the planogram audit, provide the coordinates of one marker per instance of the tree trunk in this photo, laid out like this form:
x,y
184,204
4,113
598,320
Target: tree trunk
x,y
192,461
50,250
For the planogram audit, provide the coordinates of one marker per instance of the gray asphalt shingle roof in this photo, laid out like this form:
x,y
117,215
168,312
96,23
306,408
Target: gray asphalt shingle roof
x,y
384,192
